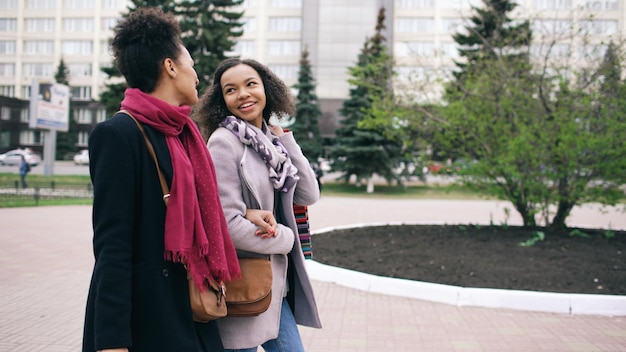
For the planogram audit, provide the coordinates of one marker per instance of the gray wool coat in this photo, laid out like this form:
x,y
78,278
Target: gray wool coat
x,y
243,182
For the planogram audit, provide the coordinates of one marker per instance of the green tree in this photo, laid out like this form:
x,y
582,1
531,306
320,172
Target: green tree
x,y
306,128
363,151
66,141
210,30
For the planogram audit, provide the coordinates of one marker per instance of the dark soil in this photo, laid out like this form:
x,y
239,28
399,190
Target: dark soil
x,y
589,261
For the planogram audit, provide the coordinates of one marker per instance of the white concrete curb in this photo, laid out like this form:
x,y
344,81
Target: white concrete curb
x,y
552,302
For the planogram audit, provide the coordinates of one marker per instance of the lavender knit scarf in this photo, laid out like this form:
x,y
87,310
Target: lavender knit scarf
x,y
282,172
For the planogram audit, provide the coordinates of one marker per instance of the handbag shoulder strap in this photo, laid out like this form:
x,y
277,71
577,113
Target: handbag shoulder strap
x,y
164,187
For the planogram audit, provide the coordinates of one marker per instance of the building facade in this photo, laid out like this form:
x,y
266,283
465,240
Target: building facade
x,y
36,34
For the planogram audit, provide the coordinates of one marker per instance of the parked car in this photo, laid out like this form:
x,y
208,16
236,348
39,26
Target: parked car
x,y
14,157
82,158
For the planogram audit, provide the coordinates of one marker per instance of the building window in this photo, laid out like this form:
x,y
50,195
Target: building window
x,y
7,70
109,22
449,50
83,138
7,47
39,24
114,4
82,93
285,72
38,47
286,3
8,24
283,48
249,24
8,4
551,26
25,115
452,25
285,24
78,25
7,91
552,4
26,92
592,51
79,4
599,4
249,4
77,47
461,4
598,27
244,48
412,49
556,51
41,4
34,70
85,116
79,70
5,113
101,115
415,25
415,4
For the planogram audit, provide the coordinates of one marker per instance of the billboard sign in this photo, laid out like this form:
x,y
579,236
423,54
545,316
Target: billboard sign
x,y
49,106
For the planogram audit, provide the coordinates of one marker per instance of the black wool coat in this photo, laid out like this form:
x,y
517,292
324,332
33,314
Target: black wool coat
x,y
137,299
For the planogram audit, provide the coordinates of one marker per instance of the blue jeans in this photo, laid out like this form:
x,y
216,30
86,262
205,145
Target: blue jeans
x,y
288,339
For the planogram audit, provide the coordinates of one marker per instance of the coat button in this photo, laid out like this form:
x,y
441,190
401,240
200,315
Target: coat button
x,y
165,273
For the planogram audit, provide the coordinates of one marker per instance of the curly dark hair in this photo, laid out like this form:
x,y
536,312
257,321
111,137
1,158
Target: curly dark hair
x,y
211,109
140,44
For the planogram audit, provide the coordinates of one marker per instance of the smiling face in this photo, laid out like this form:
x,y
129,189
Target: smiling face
x,y
244,93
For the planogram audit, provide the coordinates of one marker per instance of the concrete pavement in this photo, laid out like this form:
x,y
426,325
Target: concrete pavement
x,y
46,261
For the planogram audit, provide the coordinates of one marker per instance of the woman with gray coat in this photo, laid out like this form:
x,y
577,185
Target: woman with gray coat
x,y
259,166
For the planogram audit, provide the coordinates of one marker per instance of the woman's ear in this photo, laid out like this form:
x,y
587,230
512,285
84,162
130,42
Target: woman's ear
x,y
169,67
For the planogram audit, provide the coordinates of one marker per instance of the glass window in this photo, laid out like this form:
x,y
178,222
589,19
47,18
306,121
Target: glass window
x,y
249,3
101,115
114,4
5,113
24,115
286,3
599,4
39,24
32,137
249,24
283,47
85,116
8,24
552,4
79,70
285,72
82,93
449,50
244,48
556,51
38,47
38,70
415,25
78,24
597,27
551,26
7,70
79,4
285,24
7,47
461,4
83,138
109,22
77,47
8,4
592,51
41,4
415,4
412,49
7,91
452,25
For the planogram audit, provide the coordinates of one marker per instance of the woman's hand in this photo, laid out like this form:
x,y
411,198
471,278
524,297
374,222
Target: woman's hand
x,y
276,130
265,220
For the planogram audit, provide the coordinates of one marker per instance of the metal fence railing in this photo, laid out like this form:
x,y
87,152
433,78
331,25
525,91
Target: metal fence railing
x,y
37,191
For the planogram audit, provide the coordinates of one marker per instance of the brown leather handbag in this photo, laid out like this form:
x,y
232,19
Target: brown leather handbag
x,y
208,304
250,295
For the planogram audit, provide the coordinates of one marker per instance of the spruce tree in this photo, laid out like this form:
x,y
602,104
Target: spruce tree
x,y
210,30
491,35
306,128
361,151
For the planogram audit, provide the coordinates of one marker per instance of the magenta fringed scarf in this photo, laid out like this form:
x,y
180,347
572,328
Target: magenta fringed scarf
x,y
196,233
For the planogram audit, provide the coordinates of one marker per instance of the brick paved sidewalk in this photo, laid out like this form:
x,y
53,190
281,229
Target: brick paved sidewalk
x,y
46,260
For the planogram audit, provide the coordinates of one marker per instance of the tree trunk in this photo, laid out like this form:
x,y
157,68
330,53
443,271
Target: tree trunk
x,y
528,217
562,212
370,184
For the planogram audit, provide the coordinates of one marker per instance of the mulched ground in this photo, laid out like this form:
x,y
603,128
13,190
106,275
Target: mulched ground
x,y
482,256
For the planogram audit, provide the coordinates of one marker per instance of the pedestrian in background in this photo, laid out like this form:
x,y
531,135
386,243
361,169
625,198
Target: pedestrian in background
x,y
24,170
259,166
139,297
